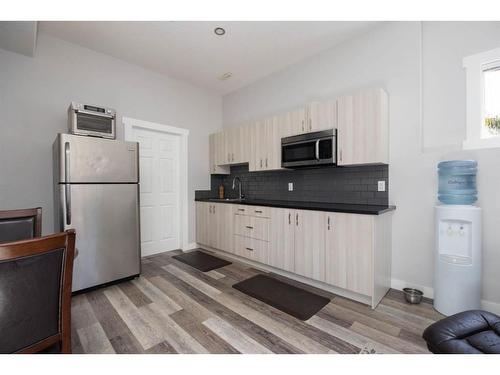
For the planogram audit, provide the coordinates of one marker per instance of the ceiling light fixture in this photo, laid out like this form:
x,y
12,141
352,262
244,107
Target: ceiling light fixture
x,y
219,31
225,76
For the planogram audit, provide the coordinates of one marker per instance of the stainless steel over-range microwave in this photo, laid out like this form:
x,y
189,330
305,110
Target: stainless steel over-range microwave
x,y
86,119
310,149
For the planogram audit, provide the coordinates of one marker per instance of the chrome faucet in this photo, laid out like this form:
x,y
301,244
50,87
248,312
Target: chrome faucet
x,y
240,195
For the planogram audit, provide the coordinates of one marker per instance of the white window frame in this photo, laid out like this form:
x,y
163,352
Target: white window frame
x,y
474,66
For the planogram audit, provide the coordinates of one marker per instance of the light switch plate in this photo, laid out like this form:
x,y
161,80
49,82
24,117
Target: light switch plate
x,y
381,186
290,186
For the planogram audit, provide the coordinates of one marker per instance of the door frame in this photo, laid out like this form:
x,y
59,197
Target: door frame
x,y
129,124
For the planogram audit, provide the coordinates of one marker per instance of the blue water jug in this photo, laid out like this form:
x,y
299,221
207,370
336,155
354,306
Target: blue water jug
x,y
457,181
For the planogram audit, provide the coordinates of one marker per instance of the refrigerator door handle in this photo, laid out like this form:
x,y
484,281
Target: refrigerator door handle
x,y
66,162
67,186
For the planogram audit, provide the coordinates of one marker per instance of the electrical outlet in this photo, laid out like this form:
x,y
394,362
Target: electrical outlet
x,y
381,186
290,186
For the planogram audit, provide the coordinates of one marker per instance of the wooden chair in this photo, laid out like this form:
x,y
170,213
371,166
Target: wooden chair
x,y
20,224
35,290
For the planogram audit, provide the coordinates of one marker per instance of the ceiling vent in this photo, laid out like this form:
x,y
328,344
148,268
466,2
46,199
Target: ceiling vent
x,y
225,76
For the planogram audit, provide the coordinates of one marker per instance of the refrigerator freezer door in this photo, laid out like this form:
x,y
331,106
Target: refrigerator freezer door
x,y
82,159
106,221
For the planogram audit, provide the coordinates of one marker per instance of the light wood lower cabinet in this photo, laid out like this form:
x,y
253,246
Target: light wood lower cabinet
x,y
309,244
202,223
251,248
282,239
214,225
252,226
347,251
224,214
206,225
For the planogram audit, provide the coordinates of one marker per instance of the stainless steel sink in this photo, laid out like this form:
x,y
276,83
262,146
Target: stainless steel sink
x,y
226,200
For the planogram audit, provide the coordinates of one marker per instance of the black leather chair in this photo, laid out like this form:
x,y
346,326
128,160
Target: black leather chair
x,y
20,224
468,332
35,294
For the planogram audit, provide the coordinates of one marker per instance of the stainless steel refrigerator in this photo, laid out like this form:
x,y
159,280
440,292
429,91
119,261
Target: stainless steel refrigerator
x,y
96,192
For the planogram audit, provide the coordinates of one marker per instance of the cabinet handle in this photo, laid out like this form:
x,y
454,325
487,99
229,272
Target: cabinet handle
x,y
297,219
249,227
214,210
261,163
241,209
289,218
328,222
266,162
249,248
340,155
232,157
228,157
258,211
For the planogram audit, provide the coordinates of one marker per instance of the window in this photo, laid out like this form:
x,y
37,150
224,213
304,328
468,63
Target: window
x,y
483,100
491,113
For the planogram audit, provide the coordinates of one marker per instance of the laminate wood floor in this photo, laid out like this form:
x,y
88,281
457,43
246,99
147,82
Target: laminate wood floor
x,y
174,308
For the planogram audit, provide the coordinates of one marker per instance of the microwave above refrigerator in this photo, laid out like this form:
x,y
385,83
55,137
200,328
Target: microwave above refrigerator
x,y
310,149
91,120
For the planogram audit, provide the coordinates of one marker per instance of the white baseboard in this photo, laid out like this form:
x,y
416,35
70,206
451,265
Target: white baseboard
x,y
400,284
493,307
190,246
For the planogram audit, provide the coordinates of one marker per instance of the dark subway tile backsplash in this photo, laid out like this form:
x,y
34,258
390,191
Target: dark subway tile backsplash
x,y
356,185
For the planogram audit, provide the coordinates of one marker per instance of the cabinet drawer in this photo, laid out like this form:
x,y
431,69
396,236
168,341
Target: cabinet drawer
x,y
258,211
251,248
252,226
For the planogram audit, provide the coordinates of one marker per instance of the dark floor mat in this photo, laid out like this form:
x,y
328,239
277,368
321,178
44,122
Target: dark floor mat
x,y
201,261
285,297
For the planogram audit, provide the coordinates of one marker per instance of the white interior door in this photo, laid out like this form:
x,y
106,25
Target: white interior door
x,y
159,179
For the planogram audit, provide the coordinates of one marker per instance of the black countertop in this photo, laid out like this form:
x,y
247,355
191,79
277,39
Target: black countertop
x,y
366,209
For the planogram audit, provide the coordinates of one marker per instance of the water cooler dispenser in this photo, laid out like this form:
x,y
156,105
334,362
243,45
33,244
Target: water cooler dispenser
x,y
457,284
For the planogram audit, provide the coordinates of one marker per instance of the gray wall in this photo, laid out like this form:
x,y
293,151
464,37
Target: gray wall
x,y
34,96
391,56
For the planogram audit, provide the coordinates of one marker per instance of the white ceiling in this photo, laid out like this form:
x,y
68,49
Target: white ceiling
x,y
18,36
190,51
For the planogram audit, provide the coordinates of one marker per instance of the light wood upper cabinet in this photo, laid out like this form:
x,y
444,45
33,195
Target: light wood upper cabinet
x,y
235,147
215,154
315,116
241,146
361,120
363,128
309,244
273,154
321,115
297,121
265,141
282,239
230,138
257,144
